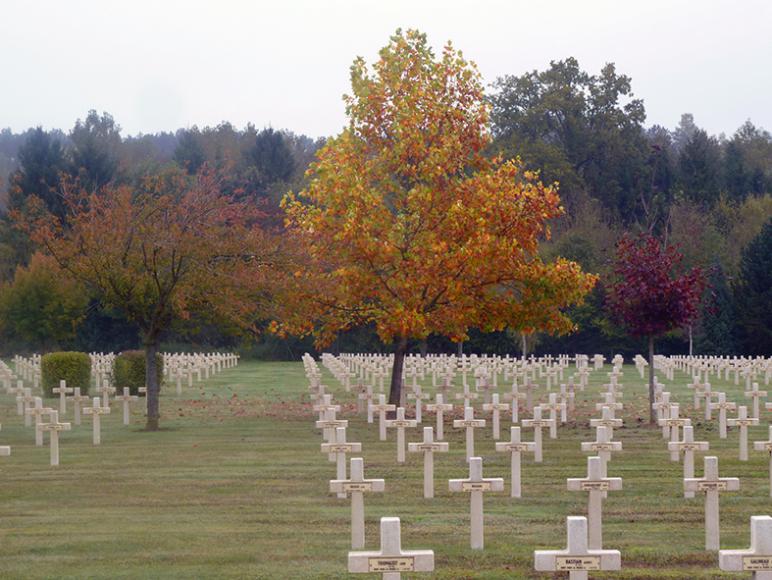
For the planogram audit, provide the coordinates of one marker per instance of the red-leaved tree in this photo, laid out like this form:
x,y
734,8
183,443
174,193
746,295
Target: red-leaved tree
x,y
650,295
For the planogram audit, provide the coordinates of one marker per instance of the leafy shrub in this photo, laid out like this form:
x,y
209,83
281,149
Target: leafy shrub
x,y
73,367
129,370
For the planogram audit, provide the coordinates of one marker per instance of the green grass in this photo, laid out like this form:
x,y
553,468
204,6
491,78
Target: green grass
x,y
236,487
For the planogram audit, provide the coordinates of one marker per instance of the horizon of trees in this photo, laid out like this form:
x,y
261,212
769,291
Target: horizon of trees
x,y
710,195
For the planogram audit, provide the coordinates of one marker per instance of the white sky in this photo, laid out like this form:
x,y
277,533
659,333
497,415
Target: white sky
x,y
160,65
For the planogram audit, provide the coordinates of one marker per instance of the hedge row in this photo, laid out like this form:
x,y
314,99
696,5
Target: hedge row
x,y
73,367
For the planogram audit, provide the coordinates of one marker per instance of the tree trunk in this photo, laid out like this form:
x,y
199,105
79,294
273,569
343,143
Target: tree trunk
x,y
691,341
459,349
153,387
400,348
652,415
423,347
524,345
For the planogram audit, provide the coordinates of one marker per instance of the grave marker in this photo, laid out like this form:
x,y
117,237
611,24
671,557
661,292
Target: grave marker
x,y
356,486
428,446
757,558
96,411
391,559
476,485
470,424
743,422
688,446
400,424
577,558
711,484
515,446
596,483
53,426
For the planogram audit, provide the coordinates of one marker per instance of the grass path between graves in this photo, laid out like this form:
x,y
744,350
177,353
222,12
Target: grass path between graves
x,y
235,487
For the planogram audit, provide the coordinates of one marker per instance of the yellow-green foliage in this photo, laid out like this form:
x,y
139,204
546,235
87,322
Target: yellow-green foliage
x,y
129,370
73,367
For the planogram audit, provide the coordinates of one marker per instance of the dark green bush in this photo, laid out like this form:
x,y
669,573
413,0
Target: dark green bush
x,y
129,370
73,367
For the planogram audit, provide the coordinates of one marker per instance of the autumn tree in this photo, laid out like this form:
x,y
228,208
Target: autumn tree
x,y
410,228
40,307
160,252
650,296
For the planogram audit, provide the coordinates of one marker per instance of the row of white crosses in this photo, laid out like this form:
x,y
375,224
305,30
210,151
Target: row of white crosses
x,y
710,484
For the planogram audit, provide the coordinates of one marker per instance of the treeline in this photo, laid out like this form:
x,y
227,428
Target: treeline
x,y
709,194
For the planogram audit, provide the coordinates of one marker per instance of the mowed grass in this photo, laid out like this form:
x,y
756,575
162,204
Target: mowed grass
x,y
235,486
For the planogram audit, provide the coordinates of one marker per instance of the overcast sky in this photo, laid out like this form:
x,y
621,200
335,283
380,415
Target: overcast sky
x,y
161,65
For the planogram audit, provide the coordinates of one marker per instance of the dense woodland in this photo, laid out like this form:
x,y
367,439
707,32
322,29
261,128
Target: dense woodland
x,y
710,195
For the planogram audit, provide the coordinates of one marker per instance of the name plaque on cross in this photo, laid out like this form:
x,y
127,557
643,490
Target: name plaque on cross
x,y
690,447
476,486
757,563
568,563
357,486
470,423
405,564
711,486
603,447
594,486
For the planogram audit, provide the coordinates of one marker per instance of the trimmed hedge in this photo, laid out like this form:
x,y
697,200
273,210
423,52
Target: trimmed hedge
x,y
129,370
73,367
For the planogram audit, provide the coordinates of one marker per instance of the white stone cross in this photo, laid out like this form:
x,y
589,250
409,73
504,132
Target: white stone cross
x,y
756,394
418,396
106,391
400,424
37,411
609,400
743,422
514,397
366,396
356,485
54,426
766,446
496,407
340,447
603,446
62,390
607,420
126,398
674,423
537,423
723,406
96,411
439,407
476,485
391,559
467,395
688,446
470,424
553,407
662,407
757,558
596,483
77,401
382,407
577,558
428,446
711,484
515,446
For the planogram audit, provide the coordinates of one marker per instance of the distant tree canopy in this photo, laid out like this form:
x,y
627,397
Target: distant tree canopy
x,y
753,294
708,194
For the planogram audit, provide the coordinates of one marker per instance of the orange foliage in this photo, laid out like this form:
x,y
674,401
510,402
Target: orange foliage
x,y
409,226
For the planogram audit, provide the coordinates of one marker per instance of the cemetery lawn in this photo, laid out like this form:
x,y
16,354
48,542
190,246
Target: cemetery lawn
x,y
235,487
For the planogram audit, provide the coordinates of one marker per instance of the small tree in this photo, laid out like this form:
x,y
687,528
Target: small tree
x,y
174,246
410,227
649,296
